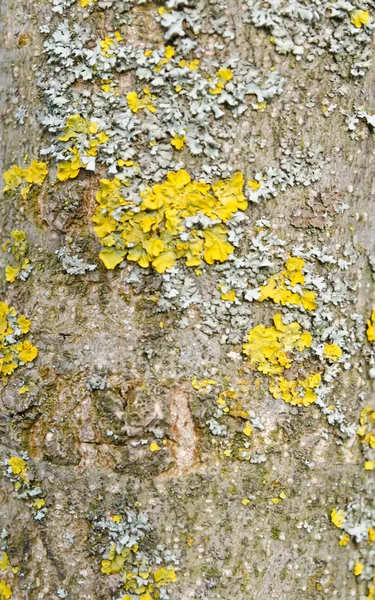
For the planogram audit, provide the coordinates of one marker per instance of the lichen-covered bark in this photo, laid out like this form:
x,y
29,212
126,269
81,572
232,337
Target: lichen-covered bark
x,y
114,371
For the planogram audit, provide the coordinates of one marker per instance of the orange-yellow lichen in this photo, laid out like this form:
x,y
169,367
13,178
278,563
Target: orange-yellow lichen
x,y
35,173
151,233
296,391
280,287
269,348
370,332
13,351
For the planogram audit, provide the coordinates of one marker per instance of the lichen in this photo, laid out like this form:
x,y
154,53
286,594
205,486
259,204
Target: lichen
x,y
14,350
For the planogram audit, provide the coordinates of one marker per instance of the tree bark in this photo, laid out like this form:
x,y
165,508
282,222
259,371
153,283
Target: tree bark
x,y
121,362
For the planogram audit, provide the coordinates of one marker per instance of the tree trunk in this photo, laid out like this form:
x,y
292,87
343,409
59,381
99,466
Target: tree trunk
x,y
162,443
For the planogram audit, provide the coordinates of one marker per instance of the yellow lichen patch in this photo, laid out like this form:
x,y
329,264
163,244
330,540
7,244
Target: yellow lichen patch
x,y
11,273
107,44
226,294
85,3
17,246
366,432
332,352
150,233
202,384
13,178
296,391
370,331
222,78
76,128
344,539
178,141
18,467
135,104
248,430
35,173
4,561
269,348
337,517
39,503
76,125
371,591
115,562
280,288
13,352
69,169
164,575
169,52
358,568
154,447
255,185
359,18
5,590
193,65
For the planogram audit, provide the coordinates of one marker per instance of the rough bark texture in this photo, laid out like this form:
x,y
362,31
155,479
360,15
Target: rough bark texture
x,y
98,324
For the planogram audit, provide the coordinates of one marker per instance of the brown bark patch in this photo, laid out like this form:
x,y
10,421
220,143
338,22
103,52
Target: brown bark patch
x,y
184,439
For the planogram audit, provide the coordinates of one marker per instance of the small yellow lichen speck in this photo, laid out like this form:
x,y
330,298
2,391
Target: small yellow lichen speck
x,y
358,568
255,185
169,52
344,539
332,352
154,447
222,78
39,503
359,18
226,294
178,141
247,429
337,517
370,332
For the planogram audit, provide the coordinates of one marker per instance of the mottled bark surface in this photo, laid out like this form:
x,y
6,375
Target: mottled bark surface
x,y
89,448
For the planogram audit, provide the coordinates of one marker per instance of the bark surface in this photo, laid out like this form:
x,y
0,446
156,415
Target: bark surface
x,y
114,373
